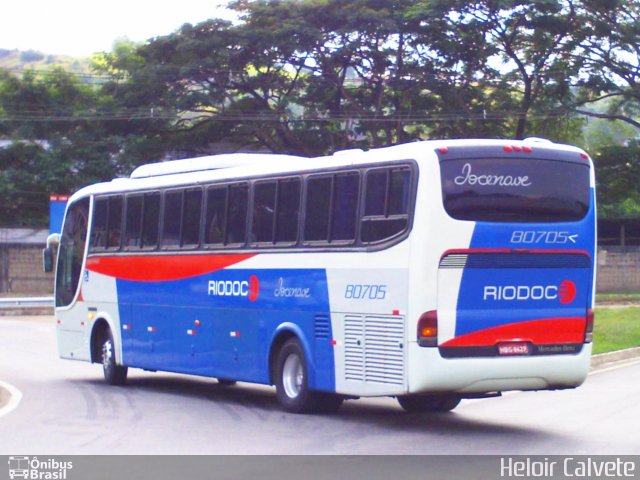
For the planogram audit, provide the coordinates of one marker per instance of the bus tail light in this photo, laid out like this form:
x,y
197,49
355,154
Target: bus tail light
x,y
428,329
588,331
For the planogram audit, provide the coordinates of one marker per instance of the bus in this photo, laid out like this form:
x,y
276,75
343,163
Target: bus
x,y
431,271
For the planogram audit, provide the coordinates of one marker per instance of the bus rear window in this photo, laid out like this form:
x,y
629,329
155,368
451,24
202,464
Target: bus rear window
x,y
515,190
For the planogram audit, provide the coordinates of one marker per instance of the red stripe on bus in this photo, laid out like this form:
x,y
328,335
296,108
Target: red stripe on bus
x,y
158,268
539,332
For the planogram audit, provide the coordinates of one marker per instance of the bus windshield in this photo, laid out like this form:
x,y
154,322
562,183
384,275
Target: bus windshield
x,y
515,190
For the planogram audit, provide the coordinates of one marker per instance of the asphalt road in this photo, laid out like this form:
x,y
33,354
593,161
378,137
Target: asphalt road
x,y
67,409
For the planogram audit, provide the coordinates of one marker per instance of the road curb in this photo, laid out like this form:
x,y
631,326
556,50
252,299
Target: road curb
x,y
603,360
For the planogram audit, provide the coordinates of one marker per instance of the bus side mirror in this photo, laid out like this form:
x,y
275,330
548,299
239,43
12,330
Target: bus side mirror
x,y
47,260
47,253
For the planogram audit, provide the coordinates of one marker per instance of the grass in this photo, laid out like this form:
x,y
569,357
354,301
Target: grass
x,y
623,297
616,329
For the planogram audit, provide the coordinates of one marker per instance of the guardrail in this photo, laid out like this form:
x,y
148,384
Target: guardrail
x,y
26,302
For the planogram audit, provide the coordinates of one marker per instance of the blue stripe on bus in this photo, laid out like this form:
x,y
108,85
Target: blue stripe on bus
x,y
221,324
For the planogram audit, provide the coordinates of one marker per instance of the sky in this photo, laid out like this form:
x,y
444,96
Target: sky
x,y
83,27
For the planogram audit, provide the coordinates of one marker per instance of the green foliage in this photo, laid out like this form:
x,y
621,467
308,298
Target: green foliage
x,y
21,183
600,133
564,129
59,142
608,54
313,76
309,77
531,51
618,180
123,58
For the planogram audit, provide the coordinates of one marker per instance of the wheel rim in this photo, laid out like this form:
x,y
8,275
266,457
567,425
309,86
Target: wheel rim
x,y
292,376
107,354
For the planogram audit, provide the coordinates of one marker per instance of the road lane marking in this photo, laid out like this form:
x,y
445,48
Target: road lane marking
x,y
15,396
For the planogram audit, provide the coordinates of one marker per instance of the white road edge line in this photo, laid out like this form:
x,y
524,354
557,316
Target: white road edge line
x,y
14,400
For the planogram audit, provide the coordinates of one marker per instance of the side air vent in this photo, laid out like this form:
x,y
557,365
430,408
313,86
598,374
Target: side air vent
x,y
374,349
321,326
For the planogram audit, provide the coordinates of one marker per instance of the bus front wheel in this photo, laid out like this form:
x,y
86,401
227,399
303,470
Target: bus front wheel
x,y
428,403
114,374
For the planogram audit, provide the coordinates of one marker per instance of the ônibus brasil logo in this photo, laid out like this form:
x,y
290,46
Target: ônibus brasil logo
x,y
34,469
235,288
565,293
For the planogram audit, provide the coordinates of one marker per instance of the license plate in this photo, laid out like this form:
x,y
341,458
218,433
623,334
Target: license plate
x,y
514,348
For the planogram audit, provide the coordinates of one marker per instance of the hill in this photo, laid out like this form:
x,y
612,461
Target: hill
x,y
18,61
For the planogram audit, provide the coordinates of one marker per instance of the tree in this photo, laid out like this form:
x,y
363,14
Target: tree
x,y
65,135
618,180
609,54
529,54
313,76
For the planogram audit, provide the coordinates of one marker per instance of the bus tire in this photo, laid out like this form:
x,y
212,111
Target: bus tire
x,y
429,403
292,379
114,374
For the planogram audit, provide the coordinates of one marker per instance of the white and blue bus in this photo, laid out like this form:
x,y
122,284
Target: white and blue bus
x,y
431,271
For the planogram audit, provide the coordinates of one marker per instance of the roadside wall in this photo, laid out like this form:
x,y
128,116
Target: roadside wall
x,y
618,269
21,271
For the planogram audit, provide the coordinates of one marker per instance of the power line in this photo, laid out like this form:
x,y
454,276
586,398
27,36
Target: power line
x,y
276,117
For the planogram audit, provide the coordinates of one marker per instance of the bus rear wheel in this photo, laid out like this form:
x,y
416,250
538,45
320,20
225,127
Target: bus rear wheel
x,y
114,374
291,379
428,403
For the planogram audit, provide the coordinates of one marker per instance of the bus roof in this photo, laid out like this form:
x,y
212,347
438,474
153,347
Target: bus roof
x,y
212,162
243,165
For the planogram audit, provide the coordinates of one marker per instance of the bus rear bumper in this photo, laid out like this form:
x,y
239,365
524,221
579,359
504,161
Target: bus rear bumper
x,y
430,373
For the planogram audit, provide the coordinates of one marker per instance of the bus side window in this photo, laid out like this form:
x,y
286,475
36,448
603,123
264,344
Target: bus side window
x,y
399,189
172,218
133,222
345,206
114,236
150,220
376,192
318,204
332,207
216,215
264,206
288,210
99,226
191,217
386,209
236,232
